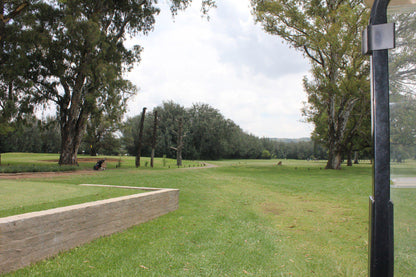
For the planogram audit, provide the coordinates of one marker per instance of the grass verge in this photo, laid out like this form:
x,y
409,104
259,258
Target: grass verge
x,y
244,218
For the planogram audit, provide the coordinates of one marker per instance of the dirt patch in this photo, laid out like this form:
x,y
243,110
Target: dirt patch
x,y
272,208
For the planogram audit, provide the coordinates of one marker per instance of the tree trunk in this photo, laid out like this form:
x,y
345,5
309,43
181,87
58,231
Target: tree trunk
x,y
152,156
139,146
73,120
71,134
356,157
69,149
334,157
92,151
349,158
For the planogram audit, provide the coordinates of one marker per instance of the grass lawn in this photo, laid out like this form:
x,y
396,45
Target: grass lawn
x,y
405,231
30,162
243,218
28,196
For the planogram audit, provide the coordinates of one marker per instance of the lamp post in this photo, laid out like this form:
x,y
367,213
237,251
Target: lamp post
x,y
377,39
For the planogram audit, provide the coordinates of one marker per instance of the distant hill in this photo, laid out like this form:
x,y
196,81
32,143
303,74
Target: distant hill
x,y
290,139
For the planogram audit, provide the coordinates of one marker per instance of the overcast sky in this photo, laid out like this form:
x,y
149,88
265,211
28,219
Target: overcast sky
x,y
227,62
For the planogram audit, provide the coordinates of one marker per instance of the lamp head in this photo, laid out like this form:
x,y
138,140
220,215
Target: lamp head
x,y
397,5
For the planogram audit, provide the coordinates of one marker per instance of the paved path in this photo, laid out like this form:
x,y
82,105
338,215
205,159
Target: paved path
x,y
403,182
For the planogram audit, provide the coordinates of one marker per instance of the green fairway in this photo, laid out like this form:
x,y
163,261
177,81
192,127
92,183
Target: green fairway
x,y
243,218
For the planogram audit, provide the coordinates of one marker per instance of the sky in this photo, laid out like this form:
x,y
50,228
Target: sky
x,y
228,62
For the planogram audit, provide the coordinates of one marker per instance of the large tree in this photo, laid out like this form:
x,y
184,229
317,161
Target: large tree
x,y
329,34
77,57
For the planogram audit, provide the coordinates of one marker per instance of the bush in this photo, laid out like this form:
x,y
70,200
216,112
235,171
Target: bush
x,y
266,154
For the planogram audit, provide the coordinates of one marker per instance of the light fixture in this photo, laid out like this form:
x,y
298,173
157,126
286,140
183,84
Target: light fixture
x,y
397,5
378,37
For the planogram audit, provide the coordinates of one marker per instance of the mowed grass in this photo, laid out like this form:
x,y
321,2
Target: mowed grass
x,y
243,218
31,162
405,231
19,197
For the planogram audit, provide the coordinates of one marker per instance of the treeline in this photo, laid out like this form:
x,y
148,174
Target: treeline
x,y
206,135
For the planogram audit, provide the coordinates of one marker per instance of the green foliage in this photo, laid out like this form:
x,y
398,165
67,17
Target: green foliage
x,y
266,154
207,134
14,103
32,135
100,135
329,34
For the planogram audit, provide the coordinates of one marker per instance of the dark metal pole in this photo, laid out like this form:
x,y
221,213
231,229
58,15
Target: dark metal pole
x,y
381,258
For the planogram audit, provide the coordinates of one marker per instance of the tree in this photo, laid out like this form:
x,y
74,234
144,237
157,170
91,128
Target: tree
x,y
32,135
99,134
78,57
329,35
51,137
265,154
208,133
168,113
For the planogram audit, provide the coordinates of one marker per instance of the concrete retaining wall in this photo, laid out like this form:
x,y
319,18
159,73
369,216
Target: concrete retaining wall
x,y
31,237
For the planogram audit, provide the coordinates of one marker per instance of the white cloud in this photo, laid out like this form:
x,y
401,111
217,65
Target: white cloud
x,y
228,63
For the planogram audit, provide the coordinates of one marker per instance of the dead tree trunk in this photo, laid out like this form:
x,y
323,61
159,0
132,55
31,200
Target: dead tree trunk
x,y
152,155
139,145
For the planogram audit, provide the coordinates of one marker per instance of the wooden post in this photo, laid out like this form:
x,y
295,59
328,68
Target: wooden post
x,y
139,146
152,156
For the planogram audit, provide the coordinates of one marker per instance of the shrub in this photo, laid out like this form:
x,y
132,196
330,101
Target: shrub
x,y
266,154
